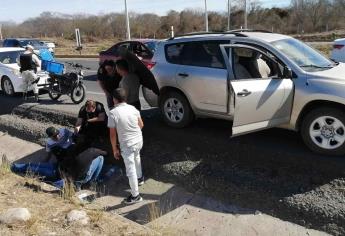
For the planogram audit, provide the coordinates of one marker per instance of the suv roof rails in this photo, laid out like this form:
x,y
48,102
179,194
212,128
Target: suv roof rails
x,y
238,34
248,30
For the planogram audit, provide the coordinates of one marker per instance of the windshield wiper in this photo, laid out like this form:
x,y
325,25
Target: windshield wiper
x,y
318,67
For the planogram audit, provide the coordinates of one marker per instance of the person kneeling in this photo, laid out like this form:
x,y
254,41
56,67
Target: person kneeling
x,y
92,122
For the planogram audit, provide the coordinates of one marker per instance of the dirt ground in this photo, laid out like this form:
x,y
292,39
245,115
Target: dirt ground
x,y
48,209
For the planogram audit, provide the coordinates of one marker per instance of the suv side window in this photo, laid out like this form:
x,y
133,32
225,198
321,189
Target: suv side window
x,y
202,54
250,64
173,53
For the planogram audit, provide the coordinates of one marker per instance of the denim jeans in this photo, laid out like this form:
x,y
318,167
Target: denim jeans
x,y
93,172
131,157
46,170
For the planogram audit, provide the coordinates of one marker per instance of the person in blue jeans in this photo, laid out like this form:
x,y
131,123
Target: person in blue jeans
x,y
88,166
82,168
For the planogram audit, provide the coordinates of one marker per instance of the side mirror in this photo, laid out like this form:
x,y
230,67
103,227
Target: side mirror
x,y
287,73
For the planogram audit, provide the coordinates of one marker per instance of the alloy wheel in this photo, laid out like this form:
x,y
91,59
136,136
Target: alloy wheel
x,y
173,110
327,132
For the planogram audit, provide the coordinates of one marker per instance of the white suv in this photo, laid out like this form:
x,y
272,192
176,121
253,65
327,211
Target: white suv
x,y
256,79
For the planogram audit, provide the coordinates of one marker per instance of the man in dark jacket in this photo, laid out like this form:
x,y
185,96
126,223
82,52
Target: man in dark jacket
x,y
108,79
92,122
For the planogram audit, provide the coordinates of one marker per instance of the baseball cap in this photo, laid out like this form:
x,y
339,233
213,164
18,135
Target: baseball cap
x,y
51,132
29,47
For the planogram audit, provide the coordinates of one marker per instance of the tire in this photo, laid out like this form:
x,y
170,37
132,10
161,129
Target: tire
x,y
176,110
323,131
78,93
54,96
7,86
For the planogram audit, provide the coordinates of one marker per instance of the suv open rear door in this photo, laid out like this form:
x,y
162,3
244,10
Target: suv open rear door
x,y
259,103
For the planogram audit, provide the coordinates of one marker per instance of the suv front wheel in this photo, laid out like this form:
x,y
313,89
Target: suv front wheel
x,y
176,110
323,131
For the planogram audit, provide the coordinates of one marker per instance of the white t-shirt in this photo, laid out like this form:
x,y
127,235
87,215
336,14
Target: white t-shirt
x,y
124,118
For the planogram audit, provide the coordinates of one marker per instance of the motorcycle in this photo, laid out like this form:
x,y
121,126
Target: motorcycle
x,y
70,84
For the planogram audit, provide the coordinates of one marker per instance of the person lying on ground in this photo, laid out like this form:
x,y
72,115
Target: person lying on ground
x,y
125,126
80,169
92,122
130,83
108,79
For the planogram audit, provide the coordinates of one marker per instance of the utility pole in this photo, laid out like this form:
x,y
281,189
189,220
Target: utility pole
x,y
127,22
229,14
0,31
206,16
245,15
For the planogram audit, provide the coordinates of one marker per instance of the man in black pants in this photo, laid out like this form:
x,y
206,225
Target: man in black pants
x,y
92,122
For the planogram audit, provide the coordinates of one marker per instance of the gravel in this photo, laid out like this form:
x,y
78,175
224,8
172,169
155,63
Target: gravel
x,y
274,176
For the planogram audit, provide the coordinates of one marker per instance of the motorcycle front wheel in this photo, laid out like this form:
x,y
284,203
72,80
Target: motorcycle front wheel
x,y
78,93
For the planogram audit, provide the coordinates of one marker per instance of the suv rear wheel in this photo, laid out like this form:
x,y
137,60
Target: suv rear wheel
x,y
323,131
176,110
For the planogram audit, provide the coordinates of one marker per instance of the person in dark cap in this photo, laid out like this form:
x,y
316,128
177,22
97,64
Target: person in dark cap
x,y
58,138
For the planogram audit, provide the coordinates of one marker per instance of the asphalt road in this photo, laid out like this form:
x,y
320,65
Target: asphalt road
x,y
93,91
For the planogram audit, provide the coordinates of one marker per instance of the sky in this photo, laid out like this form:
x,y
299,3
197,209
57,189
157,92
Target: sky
x,y
19,12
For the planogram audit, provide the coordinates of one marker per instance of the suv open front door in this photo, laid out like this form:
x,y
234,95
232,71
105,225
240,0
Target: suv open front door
x,y
259,102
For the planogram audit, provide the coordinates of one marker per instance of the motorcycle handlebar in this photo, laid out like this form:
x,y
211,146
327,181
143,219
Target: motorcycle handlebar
x,y
76,65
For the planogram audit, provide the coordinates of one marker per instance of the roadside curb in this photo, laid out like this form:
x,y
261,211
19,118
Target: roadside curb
x,y
201,176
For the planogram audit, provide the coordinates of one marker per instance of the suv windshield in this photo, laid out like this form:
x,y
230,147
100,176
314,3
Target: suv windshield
x,y
10,57
303,55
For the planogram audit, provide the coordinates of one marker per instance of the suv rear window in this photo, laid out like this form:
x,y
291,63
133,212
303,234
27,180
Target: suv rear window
x,y
202,54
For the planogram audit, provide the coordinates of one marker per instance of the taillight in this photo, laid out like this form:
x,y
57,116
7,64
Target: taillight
x,y
338,46
150,65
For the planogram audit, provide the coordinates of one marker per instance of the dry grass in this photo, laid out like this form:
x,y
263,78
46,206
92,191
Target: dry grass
x,y
325,49
49,210
68,47
154,212
5,166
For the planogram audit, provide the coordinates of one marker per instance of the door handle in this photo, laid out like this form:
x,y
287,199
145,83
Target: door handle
x,y
244,93
183,75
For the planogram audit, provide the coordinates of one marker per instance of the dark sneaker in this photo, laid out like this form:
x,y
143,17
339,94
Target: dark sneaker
x,y
141,181
133,200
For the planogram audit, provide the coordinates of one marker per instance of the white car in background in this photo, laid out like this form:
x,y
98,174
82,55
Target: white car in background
x,y
11,81
338,52
50,45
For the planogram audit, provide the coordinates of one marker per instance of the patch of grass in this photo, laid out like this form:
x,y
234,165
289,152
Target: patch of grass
x,y
5,166
68,191
154,212
32,225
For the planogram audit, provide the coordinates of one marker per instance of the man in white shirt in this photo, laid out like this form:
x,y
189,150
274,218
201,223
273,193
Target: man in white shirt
x,y
125,126
29,65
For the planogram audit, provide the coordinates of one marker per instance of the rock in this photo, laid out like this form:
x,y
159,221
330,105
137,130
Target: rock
x,y
15,215
79,217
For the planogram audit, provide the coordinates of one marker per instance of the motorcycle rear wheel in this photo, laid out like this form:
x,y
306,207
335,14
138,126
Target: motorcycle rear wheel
x,y
78,93
53,95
